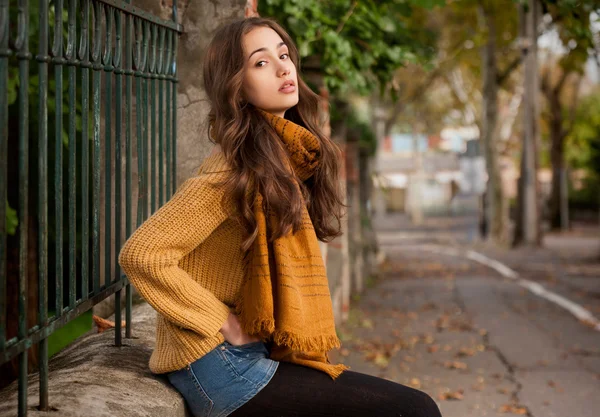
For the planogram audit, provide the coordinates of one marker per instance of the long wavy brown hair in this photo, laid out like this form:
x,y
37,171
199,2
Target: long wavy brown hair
x,y
254,150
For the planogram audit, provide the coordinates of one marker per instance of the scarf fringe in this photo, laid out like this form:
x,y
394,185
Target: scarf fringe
x,y
296,342
262,328
334,371
265,329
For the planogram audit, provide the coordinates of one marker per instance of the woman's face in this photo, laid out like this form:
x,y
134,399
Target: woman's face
x,y
270,79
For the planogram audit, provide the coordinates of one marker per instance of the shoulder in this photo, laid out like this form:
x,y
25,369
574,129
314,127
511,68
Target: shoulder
x,y
215,163
215,170
208,185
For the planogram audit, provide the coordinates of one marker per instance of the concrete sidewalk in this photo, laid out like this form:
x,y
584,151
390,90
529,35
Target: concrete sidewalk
x,y
476,342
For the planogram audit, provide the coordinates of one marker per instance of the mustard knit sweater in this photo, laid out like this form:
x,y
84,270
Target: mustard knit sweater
x,y
186,261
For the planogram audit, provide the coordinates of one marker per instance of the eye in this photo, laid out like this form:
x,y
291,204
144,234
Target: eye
x,y
258,64
284,55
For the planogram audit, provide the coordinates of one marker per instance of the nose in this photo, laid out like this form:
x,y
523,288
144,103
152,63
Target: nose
x,y
283,70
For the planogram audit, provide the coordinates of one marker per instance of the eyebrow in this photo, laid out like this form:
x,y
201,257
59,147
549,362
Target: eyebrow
x,y
279,45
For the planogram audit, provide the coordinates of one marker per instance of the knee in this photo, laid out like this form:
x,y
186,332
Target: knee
x,y
425,406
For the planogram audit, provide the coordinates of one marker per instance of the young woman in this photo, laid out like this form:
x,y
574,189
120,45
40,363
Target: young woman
x,y
232,263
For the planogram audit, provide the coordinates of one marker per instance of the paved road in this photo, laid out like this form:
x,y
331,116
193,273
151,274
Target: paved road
x,y
477,342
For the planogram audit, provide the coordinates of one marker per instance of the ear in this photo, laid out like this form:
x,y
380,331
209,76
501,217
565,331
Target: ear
x,y
242,101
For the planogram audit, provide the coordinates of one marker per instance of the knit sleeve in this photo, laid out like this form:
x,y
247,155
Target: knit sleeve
x,y
150,257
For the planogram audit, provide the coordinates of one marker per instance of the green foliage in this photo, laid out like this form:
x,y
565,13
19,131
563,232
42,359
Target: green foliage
x,y
582,148
12,221
358,45
582,151
586,196
571,18
64,336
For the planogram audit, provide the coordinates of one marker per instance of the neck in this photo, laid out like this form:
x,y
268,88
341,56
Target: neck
x,y
215,150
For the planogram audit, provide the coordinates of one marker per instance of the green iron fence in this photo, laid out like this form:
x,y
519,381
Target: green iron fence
x,y
65,160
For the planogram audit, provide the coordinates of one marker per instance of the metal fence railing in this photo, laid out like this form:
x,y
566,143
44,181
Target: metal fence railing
x,y
70,133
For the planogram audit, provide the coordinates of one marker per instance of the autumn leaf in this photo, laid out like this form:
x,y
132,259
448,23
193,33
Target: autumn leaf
x,y
452,395
443,322
381,360
412,315
103,324
415,383
455,365
367,323
428,306
433,348
464,352
513,409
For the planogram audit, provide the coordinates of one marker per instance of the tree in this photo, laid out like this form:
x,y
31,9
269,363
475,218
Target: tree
x,y
355,46
492,16
527,228
572,22
582,150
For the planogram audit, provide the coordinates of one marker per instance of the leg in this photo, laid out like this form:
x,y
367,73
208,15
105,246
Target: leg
x,y
298,391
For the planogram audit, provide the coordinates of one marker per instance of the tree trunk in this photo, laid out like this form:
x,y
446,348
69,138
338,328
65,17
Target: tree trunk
x,y
527,228
557,161
495,212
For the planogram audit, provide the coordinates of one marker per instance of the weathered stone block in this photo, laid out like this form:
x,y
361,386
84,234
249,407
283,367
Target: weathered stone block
x,y
93,378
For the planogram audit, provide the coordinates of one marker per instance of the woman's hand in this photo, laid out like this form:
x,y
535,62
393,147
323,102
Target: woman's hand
x,y
233,333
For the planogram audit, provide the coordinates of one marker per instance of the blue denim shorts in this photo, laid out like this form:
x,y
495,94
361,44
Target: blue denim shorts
x,y
225,378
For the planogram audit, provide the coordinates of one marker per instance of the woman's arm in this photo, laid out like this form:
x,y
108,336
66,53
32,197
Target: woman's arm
x,y
150,257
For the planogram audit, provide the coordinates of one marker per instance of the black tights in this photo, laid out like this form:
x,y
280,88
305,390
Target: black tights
x,y
298,391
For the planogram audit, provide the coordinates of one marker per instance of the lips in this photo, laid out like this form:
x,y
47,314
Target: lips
x,y
287,86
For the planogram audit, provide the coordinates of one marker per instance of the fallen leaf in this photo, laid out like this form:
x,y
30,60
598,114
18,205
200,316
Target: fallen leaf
x,y
464,352
513,409
367,323
404,367
428,306
478,387
455,365
415,383
103,324
412,315
381,360
443,322
433,348
456,395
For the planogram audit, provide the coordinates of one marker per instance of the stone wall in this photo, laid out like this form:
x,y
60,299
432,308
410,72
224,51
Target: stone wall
x,y
93,378
200,20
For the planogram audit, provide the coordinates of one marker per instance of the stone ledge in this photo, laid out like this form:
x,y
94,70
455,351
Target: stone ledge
x,y
93,378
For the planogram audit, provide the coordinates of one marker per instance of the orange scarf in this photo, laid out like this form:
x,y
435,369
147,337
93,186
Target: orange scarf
x,y
285,295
